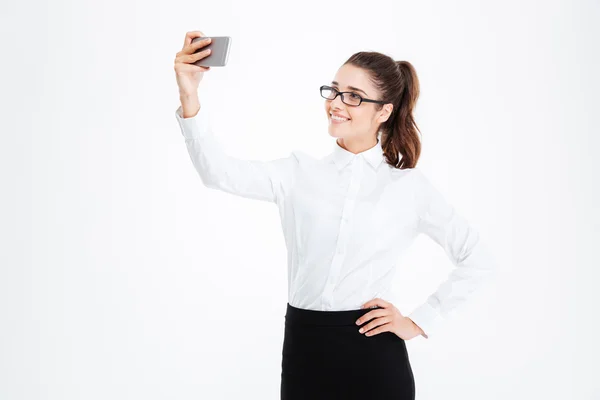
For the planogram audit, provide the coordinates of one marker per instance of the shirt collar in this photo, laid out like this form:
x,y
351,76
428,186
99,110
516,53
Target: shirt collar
x,y
341,157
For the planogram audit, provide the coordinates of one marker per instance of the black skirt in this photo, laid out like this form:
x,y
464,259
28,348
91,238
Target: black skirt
x,y
325,357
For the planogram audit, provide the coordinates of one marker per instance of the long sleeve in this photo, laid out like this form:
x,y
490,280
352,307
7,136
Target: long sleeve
x,y
473,263
262,180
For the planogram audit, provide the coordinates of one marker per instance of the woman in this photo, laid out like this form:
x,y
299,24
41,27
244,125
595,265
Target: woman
x,y
347,218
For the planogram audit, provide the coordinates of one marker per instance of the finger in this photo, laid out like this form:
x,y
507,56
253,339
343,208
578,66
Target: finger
x,y
372,314
192,58
191,35
375,323
194,47
380,329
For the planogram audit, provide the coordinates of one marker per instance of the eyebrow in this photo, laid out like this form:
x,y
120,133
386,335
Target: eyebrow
x,y
350,87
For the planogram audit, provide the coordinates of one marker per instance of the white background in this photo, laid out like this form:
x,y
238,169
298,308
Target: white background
x,y
123,277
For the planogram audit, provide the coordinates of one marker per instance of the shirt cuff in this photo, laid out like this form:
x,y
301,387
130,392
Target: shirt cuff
x,y
427,318
194,127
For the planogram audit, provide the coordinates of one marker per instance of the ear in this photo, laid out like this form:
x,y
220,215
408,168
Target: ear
x,y
385,112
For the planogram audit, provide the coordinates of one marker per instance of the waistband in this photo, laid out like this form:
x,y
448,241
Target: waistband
x,y
324,318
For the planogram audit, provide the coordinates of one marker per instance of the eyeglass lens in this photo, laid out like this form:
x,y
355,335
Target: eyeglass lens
x,y
348,98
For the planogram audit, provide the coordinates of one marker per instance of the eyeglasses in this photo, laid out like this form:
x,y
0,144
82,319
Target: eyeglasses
x,y
349,98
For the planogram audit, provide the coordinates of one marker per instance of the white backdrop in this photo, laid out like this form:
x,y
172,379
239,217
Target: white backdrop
x,y
123,277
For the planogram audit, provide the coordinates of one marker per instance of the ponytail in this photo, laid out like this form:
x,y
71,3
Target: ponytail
x,y
402,136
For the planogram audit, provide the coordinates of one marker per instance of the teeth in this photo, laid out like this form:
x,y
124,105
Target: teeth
x,y
338,118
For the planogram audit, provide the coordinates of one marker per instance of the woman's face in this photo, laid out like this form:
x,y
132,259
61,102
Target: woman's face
x,y
363,121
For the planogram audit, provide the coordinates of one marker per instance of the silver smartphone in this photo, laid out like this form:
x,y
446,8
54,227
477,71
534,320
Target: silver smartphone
x,y
219,53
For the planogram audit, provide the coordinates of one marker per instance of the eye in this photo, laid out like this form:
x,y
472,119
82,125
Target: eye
x,y
352,94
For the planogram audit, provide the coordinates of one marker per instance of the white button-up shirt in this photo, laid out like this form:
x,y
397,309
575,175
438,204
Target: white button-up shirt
x,y
347,218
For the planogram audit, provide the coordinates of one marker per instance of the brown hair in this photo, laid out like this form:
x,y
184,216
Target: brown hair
x,y
398,84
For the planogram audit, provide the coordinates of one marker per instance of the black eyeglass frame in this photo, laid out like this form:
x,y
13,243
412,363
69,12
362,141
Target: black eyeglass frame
x,y
337,92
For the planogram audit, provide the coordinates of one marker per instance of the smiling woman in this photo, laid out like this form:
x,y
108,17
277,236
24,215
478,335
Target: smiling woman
x,y
347,218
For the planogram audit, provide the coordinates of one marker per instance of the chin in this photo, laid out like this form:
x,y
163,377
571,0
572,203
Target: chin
x,y
335,134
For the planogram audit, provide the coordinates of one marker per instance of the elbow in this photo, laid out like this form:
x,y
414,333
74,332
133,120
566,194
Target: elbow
x,y
209,183
209,178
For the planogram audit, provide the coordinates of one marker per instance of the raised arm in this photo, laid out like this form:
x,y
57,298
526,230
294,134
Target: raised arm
x,y
473,263
261,180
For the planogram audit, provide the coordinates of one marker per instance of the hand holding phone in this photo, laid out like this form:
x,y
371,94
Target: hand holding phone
x,y
219,51
196,57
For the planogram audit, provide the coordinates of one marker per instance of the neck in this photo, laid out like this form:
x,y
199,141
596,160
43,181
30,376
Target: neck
x,y
357,145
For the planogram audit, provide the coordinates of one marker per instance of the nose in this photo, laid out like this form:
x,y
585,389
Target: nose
x,y
337,103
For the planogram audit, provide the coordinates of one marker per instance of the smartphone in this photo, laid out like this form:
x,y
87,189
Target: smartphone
x,y
219,54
